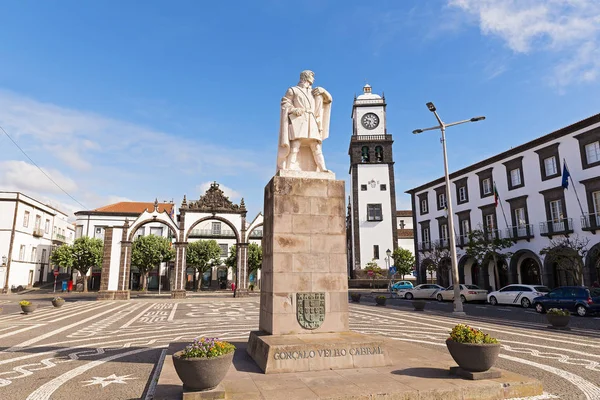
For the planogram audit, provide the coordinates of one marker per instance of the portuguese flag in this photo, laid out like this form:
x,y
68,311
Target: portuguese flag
x,y
496,196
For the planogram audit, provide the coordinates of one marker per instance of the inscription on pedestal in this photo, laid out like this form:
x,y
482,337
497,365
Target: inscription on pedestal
x,y
310,309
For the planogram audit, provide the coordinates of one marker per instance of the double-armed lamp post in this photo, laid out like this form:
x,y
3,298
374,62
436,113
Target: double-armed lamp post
x,y
458,306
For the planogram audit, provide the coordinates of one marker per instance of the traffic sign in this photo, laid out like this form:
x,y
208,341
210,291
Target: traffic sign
x,y
392,270
370,273
55,272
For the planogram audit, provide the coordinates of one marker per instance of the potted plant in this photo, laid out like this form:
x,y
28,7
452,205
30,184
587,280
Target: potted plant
x,y
203,364
419,305
58,301
473,350
355,297
27,306
380,300
558,317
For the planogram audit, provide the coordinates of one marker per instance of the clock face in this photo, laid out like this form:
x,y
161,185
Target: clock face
x,y
370,121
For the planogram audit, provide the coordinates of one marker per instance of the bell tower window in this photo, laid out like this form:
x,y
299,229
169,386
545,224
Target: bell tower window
x,y
365,154
379,154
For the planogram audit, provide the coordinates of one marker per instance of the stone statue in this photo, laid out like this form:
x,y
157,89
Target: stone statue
x,y
305,116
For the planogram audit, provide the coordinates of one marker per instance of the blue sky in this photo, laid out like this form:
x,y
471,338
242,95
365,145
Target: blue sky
x,y
137,100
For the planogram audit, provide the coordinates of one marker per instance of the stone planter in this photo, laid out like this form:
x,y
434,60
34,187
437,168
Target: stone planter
x,y
355,297
201,373
419,305
473,357
58,303
380,301
28,309
558,321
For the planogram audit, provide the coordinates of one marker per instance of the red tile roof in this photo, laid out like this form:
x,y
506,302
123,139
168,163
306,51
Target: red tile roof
x,y
136,207
404,213
405,234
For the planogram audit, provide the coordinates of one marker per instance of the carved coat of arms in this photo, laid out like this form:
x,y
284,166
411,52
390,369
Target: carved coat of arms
x,y
310,309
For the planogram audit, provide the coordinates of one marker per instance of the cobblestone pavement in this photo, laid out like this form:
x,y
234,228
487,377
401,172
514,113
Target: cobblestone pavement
x,y
109,350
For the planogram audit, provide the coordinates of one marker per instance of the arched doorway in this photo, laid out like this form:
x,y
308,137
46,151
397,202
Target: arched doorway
x,y
530,272
444,272
429,270
565,267
525,267
503,275
591,273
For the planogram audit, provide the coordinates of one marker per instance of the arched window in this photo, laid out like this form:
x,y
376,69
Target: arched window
x,y
365,154
379,154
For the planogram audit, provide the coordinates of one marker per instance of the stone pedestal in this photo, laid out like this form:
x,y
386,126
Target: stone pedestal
x,y
106,295
122,295
241,293
178,294
304,289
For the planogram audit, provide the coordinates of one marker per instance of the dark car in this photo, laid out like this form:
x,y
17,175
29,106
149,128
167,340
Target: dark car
x,y
579,299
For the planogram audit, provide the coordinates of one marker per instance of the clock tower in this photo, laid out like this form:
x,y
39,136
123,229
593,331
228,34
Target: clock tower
x,y
372,211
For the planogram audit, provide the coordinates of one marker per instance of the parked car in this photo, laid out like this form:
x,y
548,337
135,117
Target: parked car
x,y
467,293
578,299
517,295
401,285
424,291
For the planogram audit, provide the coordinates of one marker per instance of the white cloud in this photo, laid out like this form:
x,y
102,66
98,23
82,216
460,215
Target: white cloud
x,y
227,191
569,29
25,177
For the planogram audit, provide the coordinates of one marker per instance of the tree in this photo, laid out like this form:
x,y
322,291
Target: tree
x,y
231,261
86,253
147,252
404,261
62,256
201,255
436,254
568,254
431,268
481,247
254,257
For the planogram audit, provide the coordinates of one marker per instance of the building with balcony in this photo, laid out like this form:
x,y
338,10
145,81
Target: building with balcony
x,y
532,209
28,231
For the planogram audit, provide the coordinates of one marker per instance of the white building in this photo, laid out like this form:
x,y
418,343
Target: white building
x,y
372,226
405,230
533,209
29,230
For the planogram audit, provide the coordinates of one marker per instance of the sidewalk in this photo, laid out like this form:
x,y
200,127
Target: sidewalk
x,y
417,373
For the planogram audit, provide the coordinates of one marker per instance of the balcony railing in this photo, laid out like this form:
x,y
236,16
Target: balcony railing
x,y
38,232
59,238
424,246
562,226
443,243
520,232
256,234
462,240
223,233
590,222
492,234
368,138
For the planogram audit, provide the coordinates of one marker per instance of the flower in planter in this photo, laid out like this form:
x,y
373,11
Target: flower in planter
x,y
207,348
58,298
381,297
465,334
558,311
24,303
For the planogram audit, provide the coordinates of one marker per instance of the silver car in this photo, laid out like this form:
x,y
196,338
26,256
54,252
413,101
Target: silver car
x,y
424,291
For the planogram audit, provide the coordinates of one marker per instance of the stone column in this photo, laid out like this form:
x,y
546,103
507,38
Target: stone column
x,y
178,291
123,291
104,293
241,286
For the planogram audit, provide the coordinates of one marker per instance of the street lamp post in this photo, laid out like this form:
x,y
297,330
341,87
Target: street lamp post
x,y
3,266
458,306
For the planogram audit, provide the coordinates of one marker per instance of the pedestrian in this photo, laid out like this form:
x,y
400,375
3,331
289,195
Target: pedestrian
x,y
233,286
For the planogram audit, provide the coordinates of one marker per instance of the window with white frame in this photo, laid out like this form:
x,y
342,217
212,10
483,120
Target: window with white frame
x,y
424,205
374,212
465,227
26,219
592,152
520,217
34,254
38,222
486,184
22,253
47,226
442,200
550,166
490,224
43,260
444,232
462,193
99,232
78,231
515,177
425,235
556,210
216,228
224,249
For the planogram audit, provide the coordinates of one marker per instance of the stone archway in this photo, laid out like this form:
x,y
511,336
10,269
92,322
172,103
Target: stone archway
x,y
444,269
591,271
425,264
525,267
558,275
467,265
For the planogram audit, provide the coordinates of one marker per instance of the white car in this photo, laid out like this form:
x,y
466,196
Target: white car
x,y
424,291
517,294
467,293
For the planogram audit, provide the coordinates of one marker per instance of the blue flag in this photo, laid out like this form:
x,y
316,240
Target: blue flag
x,y
565,177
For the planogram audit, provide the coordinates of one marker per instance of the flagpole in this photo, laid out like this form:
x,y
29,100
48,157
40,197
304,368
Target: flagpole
x,y
501,206
574,190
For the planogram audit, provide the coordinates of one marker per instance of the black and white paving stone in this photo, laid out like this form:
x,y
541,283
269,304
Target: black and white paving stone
x,y
112,350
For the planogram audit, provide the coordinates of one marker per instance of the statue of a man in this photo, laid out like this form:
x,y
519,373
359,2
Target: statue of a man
x,y
305,116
